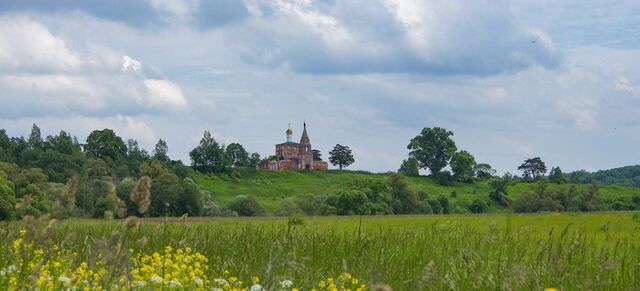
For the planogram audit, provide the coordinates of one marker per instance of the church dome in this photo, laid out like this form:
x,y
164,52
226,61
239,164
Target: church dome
x,y
289,131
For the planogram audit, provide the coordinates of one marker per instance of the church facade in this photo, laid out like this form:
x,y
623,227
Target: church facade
x,y
294,155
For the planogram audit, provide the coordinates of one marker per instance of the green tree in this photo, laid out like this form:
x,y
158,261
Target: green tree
x,y
190,201
405,200
208,156
105,144
35,140
288,207
254,160
478,206
317,155
557,176
533,168
433,148
350,202
462,165
161,151
499,190
484,171
246,205
341,156
7,198
238,156
409,167
444,202
135,152
165,191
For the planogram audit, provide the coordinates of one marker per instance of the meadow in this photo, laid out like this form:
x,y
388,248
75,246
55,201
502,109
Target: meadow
x,y
270,187
569,251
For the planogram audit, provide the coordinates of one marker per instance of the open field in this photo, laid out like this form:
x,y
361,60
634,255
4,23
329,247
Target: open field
x,y
270,188
597,251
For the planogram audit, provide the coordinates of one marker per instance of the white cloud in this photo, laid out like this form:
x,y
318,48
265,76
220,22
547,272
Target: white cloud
x,y
51,77
26,45
163,92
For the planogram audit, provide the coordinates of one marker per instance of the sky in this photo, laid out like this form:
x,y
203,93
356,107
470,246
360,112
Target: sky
x,y
511,79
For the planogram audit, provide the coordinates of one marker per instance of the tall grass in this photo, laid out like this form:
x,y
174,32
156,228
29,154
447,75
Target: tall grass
x,y
531,252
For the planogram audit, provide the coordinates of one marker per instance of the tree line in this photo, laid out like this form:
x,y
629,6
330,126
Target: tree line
x,y
107,176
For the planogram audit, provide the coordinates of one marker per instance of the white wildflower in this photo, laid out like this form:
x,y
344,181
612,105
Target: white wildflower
x,y
256,287
2,273
198,280
286,284
64,279
140,283
156,279
12,268
221,282
174,283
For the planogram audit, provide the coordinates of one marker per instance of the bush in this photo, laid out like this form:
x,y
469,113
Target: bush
x,y
246,205
444,178
478,206
435,206
288,207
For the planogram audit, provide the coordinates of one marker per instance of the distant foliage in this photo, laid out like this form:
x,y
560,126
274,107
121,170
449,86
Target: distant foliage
x,y
209,156
409,167
557,176
533,168
628,176
478,206
105,144
246,205
433,148
463,165
341,156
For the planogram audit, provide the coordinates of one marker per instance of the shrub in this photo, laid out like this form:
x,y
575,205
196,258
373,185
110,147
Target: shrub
x,y
435,206
478,206
288,207
444,178
246,205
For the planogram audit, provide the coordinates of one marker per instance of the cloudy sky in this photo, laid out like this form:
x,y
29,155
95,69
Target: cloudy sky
x,y
511,79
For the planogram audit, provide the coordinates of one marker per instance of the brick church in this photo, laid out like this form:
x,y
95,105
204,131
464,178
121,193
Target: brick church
x,y
293,155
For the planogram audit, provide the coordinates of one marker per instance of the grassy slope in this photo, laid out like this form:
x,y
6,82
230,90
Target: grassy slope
x,y
271,187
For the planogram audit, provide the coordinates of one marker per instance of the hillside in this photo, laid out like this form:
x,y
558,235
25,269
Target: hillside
x,y
628,176
270,188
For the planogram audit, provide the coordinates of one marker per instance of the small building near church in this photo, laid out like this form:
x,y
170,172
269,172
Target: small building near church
x,y
293,155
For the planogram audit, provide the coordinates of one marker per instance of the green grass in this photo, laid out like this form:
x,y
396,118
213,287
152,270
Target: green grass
x,y
593,251
271,187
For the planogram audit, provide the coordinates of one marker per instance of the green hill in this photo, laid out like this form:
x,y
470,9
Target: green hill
x,y
270,188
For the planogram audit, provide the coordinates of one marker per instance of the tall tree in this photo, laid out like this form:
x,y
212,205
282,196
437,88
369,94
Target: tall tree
x,y
105,144
208,156
557,176
341,156
254,160
405,200
484,170
161,150
433,148
135,152
409,167
462,165
533,168
35,140
317,155
238,156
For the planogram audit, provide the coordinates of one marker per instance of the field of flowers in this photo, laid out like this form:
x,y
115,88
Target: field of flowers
x,y
598,251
